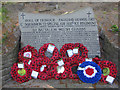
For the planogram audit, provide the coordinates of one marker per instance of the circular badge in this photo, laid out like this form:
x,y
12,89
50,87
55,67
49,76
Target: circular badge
x,y
89,72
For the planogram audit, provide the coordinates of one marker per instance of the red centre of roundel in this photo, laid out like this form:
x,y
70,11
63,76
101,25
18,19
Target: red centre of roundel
x,y
89,71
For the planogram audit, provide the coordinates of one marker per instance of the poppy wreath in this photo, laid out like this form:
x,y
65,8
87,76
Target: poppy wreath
x,y
65,47
42,68
108,69
78,57
21,74
42,51
60,72
89,72
82,53
73,71
63,51
27,53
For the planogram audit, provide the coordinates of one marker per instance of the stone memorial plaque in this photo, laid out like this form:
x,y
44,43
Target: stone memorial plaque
x,y
78,26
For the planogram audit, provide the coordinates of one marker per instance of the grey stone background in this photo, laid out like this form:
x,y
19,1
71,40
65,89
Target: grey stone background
x,y
35,37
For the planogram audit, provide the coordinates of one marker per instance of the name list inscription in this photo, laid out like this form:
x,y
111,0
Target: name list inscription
x,y
79,26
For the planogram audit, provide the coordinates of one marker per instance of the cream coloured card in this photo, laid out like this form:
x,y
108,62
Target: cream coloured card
x,y
34,74
70,52
110,79
27,54
50,48
75,50
20,65
60,62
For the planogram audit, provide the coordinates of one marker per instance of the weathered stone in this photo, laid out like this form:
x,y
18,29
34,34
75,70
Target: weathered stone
x,y
12,52
6,77
6,71
108,49
7,65
103,85
11,55
36,83
4,82
83,85
79,26
0,66
0,73
5,61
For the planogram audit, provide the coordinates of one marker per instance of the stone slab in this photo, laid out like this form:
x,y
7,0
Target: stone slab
x,y
36,83
85,85
78,26
103,85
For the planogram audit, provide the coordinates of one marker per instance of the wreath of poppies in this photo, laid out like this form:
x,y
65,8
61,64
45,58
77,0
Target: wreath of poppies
x,y
73,71
78,57
27,53
89,72
74,65
108,68
42,68
60,72
65,47
42,51
21,74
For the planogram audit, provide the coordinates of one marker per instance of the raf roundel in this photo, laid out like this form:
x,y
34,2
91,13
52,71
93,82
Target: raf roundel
x,y
89,72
